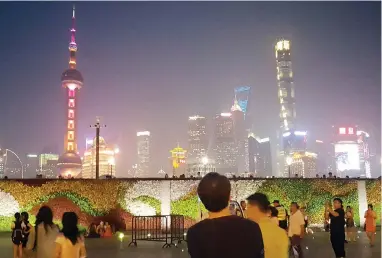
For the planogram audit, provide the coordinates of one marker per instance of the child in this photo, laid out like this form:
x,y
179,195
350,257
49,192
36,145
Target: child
x,y
17,236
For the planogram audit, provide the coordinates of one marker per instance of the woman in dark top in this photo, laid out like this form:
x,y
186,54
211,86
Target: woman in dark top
x,y
17,236
337,227
26,227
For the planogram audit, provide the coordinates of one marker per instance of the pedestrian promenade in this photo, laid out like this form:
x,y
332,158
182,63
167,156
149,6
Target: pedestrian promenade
x,y
316,246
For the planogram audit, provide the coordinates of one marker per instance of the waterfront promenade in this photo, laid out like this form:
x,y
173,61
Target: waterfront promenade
x,y
316,246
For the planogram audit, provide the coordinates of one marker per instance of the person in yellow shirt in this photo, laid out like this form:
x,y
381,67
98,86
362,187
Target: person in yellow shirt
x,y
276,242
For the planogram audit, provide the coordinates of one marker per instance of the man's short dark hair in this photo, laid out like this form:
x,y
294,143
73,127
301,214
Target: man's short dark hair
x,y
296,204
276,201
214,191
260,200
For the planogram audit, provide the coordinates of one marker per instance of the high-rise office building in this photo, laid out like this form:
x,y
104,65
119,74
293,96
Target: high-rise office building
x,y
259,156
106,160
48,165
197,138
225,145
69,163
285,85
240,134
364,153
143,148
31,165
242,95
347,152
303,164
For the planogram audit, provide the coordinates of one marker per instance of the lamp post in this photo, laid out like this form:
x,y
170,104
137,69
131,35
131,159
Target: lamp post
x,y
289,161
97,126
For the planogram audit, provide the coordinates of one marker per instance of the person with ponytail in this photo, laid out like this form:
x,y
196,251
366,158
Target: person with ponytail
x,y
70,244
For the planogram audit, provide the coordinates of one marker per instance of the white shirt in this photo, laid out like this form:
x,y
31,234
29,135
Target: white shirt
x,y
296,220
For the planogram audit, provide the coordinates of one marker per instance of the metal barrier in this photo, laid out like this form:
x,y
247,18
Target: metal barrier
x,y
177,228
168,228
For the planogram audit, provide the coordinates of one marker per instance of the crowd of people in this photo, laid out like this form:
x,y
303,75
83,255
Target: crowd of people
x,y
263,230
103,230
45,239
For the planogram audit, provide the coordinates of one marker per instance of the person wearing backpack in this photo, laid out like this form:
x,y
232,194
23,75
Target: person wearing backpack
x,y
17,236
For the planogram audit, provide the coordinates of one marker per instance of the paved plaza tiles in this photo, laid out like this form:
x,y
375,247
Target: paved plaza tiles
x,y
316,246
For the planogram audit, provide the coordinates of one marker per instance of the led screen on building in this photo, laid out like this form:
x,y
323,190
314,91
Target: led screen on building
x,y
347,156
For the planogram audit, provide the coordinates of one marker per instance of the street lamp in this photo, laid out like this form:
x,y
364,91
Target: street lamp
x,y
289,161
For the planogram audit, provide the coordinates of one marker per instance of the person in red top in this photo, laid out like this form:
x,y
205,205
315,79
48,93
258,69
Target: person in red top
x,y
222,235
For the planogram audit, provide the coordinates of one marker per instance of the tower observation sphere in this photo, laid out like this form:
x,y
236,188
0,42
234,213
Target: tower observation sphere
x,y
69,162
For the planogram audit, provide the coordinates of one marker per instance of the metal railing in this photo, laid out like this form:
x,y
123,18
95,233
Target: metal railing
x,y
167,229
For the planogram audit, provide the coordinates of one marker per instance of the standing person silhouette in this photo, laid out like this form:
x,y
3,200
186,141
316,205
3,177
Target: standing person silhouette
x,y
337,226
222,235
17,236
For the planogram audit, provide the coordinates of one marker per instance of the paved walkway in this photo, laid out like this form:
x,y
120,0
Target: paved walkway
x,y
316,246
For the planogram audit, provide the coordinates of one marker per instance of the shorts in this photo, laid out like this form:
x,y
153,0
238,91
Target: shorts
x,y
17,241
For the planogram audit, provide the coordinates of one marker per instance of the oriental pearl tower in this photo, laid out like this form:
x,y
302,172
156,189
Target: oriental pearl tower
x,y
69,163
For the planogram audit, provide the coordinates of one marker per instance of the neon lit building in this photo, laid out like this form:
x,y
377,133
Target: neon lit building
x,y
48,165
225,145
70,163
106,160
347,152
242,94
178,161
143,148
31,165
364,153
285,85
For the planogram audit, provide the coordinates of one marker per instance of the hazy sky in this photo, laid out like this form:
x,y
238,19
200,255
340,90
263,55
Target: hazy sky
x,y
149,65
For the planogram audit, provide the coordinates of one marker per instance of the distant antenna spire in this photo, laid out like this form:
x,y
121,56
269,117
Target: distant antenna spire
x,y
72,43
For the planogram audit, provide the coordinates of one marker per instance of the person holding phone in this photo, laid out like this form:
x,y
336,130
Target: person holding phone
x,y
337,226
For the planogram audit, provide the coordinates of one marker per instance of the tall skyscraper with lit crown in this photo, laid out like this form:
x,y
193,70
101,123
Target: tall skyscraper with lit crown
x,y
70,163
285,85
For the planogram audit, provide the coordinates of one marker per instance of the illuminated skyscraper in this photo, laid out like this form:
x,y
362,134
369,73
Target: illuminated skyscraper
x,y
70,163
106,160
197,138
48,165
285,85
242,95
143,148
364,153
240,134
304,164
225,144
259,156
178,161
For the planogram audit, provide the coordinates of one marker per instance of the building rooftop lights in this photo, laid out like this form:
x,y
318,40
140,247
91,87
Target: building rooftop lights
x,y
225,114
195,117
144,133
264,140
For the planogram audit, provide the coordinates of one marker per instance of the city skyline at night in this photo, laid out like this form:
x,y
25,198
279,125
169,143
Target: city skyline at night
x,y
153,65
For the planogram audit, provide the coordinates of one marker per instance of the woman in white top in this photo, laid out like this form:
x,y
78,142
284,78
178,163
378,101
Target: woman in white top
x,y
69,244
41,241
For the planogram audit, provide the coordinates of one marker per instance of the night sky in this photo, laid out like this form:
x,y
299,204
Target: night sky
x,y
150,65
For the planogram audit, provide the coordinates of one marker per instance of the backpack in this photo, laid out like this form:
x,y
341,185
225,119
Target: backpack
x,y
17,233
